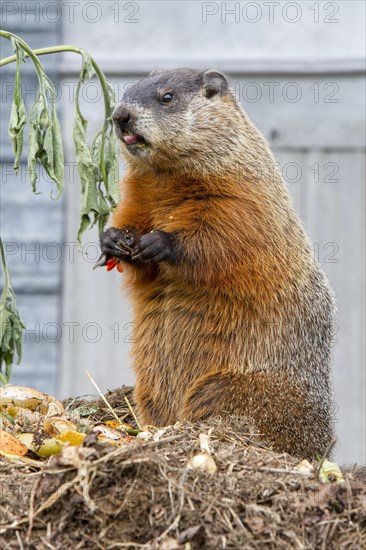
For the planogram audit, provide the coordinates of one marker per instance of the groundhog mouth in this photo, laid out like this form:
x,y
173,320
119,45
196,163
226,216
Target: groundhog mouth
x,y
134,141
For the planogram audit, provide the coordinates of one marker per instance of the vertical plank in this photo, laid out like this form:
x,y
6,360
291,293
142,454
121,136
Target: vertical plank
x,y
31,225
97,326
335,219
292,166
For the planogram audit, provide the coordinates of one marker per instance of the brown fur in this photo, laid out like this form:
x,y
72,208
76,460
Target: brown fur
x,y
242,322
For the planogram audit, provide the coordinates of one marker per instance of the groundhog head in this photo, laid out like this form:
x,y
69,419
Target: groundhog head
x,y
176,117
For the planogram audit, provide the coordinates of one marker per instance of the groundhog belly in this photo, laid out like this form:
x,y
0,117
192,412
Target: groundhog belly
x,y
181,333
185,334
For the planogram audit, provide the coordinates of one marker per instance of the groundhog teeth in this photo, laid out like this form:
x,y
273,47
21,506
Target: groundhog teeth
x,y
139,144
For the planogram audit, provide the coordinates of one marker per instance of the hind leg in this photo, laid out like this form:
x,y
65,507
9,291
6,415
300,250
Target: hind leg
x,y
150,412
287,414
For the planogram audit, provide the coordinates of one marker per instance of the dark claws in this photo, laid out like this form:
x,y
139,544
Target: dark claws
x,y
156,246
116,243
135,253
123,247
102,261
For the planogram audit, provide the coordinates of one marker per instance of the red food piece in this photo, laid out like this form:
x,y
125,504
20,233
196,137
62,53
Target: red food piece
x,y
112,263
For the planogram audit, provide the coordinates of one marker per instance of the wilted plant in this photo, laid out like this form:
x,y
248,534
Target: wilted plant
x,y
97,164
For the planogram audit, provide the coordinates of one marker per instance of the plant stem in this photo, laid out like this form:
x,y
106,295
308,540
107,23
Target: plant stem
x,y
28,52
4,267
58,49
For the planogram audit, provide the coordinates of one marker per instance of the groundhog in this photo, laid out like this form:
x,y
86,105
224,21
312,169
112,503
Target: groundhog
x,y
232,314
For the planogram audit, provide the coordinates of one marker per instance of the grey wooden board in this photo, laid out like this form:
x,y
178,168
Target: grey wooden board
x,y
32,232
328,197
27,220
178,30
31,276
103,316
30,16
29,217
292,166
40,382
92,297
335,217
41,314
312,121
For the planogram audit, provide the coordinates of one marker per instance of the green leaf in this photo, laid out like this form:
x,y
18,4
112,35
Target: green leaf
x,y
112,168
18,116
47,156
88,172
95,150
95,206
32,153
98,169
35,140
104,211
53,160
58,166
87,67
45,143
111,156
11,325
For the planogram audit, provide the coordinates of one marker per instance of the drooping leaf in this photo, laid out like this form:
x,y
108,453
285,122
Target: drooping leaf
x,y
88,172
87,70
11,324
104,212
46,153
111,155
54,158
96,202
98,168
58,152
95,151
18,116
112,168
45,142
32,152
35,141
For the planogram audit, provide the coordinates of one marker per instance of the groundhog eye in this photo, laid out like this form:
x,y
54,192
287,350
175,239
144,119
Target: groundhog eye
x,y
167,97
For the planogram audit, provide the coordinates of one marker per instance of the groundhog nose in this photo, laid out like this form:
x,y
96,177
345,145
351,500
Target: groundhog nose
x,y
121,118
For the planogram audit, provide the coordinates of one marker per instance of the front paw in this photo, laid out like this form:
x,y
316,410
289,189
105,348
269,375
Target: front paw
x,y
155,246
117,243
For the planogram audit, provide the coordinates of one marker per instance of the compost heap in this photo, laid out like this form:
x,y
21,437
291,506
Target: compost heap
x,y
207,485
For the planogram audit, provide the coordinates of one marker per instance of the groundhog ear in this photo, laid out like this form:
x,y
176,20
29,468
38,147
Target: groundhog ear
x,y
214,83
156,71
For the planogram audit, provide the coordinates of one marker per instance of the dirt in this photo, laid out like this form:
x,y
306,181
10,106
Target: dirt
x,y
143,494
